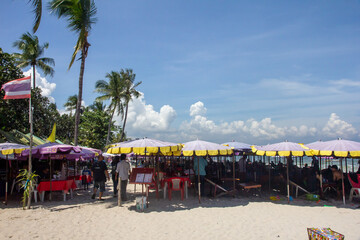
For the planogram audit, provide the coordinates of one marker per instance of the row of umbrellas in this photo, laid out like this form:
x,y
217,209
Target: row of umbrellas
x,y
192,148
52,150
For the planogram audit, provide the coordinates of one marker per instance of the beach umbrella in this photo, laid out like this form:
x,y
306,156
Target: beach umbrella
x,y
338,148
204,148
282,149
58,151
238,146
7,149
145,146
11,148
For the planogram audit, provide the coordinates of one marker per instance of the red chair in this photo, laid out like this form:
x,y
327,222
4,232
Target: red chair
x,y
176,184
355,187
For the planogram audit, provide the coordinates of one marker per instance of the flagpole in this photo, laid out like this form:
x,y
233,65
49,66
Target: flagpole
x,y
31,144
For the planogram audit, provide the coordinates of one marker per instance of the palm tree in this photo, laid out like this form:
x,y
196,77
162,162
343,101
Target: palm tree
x,y
31,55
80,15
71,103
37,4
129,93
113,91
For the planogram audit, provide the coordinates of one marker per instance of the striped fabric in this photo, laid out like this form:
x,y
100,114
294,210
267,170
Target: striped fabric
x,y
18,88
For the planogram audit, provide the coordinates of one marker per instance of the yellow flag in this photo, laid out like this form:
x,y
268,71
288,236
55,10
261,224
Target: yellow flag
x,y
51,138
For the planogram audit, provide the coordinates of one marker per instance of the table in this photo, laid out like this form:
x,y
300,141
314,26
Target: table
x,y
184,179
62,185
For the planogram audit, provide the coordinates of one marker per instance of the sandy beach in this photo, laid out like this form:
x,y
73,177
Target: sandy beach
x,y
242,217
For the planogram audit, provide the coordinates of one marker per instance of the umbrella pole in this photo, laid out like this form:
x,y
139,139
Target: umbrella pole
x,y
7,179
352,159
136,164
342,181
287,178
269,175
50,196
346,166
321,192
31,143
157,177
199,181
233,157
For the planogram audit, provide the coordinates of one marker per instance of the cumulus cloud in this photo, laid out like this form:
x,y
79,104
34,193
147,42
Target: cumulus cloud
x,y
144,120
336,127
46,87
198,109
260,131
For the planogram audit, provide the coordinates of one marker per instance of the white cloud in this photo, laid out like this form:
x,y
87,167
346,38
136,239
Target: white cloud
x,y
143,120
260,132
346,83
336,127
197,109
46,87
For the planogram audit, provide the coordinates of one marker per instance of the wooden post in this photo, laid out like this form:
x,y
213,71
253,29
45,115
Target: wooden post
x,y
31,140
50,196
199,184
342,181
321,192
7,179
269,175
119,190
233,157
287,178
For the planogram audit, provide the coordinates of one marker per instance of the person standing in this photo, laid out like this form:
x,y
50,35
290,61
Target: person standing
x,y
122,172
200,164
100,174
114,163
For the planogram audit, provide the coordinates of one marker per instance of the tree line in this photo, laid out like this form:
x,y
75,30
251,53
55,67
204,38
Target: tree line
x,y
91,126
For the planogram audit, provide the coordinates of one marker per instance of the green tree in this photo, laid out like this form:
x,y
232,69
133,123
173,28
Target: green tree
x,y
80,15
31,52
71,103
113,91
94,121
129,93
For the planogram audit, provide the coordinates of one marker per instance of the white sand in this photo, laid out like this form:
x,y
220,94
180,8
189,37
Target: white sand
x,y
223,218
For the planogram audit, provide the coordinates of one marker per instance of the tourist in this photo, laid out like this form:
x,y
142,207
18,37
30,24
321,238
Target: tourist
x,y
123,171
200,164
100,174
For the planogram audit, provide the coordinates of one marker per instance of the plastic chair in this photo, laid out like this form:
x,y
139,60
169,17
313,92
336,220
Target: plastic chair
x,y
176,184
355,187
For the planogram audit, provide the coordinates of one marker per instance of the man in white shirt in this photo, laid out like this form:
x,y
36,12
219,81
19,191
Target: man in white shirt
x,y
122,172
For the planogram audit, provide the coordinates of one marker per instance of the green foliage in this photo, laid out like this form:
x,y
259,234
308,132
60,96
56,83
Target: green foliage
x,y
27,182
31,52
93,126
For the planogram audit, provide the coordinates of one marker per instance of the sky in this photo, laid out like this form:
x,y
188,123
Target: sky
x,y
256,72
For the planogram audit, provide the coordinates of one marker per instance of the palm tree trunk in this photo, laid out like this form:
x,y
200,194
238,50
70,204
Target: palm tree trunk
x,y
123,128
109,126
78,105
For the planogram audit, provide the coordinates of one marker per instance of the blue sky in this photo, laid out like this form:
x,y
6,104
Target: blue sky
x,y
256,72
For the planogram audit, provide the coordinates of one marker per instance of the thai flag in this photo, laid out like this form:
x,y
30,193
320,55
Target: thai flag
x,y
18,88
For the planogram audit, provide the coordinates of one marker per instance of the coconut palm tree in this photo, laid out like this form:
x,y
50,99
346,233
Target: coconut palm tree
x,y
37,4
129,93
80,15
113,91
31,52
71,103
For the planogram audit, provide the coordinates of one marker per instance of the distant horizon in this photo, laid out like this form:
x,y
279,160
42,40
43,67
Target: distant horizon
x,y
253,72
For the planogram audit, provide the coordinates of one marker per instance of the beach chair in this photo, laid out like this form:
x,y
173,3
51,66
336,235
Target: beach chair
x,y
176,184
355,187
